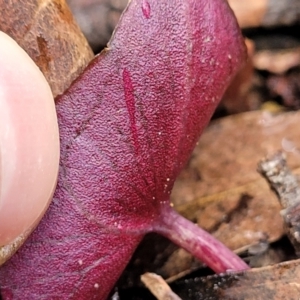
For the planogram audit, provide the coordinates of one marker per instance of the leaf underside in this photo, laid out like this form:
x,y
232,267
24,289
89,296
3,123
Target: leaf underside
x,y
128,125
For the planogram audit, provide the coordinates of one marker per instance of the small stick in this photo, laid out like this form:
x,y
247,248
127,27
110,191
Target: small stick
x,y
158,287
286,186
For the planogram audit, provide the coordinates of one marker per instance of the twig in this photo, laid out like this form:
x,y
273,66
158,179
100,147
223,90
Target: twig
x,y
286,186
158,287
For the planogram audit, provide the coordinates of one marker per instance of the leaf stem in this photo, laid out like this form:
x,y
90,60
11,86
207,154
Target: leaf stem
x,y
198,242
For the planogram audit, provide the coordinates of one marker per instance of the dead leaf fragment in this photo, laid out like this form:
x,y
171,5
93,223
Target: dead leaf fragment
x,y
227,154
47,31
278,282
158,287
221,189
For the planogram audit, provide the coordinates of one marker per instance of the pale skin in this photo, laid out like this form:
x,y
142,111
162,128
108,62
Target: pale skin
x,y
29,143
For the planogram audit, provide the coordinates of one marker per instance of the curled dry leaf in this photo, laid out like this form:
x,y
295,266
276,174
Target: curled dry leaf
x,y
47,31
127,126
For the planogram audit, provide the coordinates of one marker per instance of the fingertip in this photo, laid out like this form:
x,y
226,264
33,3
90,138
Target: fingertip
x,y
29,142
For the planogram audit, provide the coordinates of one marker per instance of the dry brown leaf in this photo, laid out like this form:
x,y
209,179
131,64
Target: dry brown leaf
x,y
221,189
228,151
47,32
281,281
242,217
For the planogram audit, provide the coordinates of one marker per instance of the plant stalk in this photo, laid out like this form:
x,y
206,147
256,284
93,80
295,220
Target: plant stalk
x,y
198,242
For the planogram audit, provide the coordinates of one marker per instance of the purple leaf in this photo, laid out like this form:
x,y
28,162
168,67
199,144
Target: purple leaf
x,y
128,125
